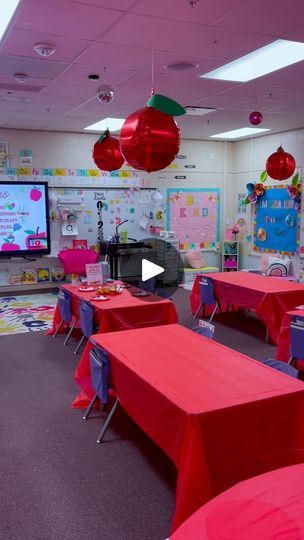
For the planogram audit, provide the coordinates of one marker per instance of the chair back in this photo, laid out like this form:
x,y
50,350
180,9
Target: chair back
x,y
297,337
205,330
64,304
282,366
86,315
74,260
149,285
206,289
100,370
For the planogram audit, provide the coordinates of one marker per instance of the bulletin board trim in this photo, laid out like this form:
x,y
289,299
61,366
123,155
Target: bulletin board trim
x,y
258,250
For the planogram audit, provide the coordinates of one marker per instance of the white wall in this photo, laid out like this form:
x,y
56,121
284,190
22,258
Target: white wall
x,y
250,160
213,160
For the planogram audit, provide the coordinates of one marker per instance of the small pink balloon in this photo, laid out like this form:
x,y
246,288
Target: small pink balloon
x,y
255,118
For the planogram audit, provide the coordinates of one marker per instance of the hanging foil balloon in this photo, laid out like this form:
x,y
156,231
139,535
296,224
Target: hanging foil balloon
x,y
105,94
107,154
280,165
255,118
149,140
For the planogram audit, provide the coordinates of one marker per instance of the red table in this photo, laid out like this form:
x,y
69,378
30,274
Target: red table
x,y
121,312
266,507
220,416
270,298
283,350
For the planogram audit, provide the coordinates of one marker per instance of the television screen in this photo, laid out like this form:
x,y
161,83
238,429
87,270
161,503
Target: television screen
x,y
24,219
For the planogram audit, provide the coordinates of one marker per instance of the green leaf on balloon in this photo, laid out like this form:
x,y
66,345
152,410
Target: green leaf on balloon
x,y
295,180
165,105
103,136
263,176
247,201
30,232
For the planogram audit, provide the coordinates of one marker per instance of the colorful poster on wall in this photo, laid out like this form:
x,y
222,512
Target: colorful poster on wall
x,y
276,222
194,214
23,217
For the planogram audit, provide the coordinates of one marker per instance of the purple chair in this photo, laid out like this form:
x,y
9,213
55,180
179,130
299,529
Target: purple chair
x,y
282,366
204,331
206,288
64,304
86,314
100,372
296,339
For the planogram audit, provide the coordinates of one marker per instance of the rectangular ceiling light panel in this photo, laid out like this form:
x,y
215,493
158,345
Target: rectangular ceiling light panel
x,y
113,124
239,133
276,55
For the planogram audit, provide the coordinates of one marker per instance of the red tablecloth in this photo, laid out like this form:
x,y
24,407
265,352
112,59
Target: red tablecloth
x,y
283,350
219,415
267,507
270,298
121,312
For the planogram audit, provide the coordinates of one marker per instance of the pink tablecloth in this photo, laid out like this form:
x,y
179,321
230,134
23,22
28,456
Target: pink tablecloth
x,y
220,416
270,298
283,350
266,507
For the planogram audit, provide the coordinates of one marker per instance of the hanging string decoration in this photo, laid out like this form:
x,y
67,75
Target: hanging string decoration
x,y
280,165
107,154
150,137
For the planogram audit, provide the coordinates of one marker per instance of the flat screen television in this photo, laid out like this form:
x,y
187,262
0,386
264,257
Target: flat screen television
x,y
24,219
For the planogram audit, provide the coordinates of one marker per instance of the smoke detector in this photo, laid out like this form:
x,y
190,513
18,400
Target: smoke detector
x,y
20,78
44,49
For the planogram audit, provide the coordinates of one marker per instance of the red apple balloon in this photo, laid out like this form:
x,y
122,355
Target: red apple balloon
x,y
255,118
149,139
280,165
107,154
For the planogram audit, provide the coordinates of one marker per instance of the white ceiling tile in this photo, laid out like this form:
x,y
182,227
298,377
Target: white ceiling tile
x,y
204,12
271,17
65,18
141,31
32,67
222,43
21,43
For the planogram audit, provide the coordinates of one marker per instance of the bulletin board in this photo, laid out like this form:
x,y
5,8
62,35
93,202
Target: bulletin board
x,y
194,214
276,222
134,204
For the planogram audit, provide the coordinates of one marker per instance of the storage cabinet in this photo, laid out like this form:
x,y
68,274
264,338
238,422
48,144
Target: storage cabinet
x,y
230,256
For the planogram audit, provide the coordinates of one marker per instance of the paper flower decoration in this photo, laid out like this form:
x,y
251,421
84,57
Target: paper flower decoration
x,y
254,191
294,189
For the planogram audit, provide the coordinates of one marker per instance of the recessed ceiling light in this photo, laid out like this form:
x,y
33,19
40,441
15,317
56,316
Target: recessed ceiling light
x,y
44,49
181,66
239,133
198,111
113,124
8,8
276,55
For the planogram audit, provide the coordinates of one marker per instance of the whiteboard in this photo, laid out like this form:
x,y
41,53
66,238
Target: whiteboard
x,y
134,204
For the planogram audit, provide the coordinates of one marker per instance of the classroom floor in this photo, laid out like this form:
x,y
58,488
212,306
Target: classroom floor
x,y
56,482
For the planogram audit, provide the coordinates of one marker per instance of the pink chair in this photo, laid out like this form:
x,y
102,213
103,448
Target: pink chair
x,y
74,260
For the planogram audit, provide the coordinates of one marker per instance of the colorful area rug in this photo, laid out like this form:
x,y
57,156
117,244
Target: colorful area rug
x,y
31,313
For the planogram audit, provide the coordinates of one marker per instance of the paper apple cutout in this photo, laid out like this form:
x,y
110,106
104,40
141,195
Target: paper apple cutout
x,y
32,240
9,244
35,194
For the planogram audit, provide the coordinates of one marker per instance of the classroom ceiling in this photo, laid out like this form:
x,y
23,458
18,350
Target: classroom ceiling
x,y
122,36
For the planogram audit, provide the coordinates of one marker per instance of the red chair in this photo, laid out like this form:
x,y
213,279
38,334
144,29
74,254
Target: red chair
x,y
74,260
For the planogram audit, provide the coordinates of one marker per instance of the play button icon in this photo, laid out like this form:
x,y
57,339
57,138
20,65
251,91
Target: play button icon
x,y
150,270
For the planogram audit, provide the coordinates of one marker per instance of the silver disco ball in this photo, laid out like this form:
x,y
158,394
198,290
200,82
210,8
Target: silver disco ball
x,y
105,94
